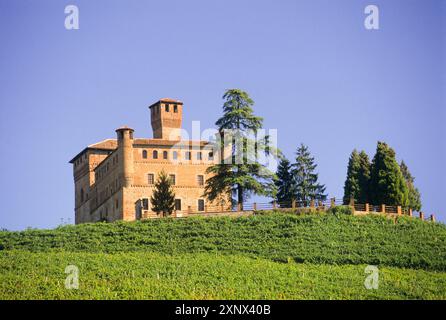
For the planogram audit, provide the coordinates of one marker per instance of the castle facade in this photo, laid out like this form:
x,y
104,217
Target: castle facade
x,y
114,178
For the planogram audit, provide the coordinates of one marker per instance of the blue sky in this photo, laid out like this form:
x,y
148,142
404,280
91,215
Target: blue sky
x,y
315,73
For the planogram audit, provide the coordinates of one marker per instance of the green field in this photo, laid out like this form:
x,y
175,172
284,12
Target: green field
x,y
267,256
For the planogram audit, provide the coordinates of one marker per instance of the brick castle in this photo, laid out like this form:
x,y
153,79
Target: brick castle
x,y
114,178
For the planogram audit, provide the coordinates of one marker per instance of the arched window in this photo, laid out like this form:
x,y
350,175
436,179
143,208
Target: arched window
x,y
165,155
155,154
144,154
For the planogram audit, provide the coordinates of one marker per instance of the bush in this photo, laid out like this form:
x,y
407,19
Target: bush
x,y
341,210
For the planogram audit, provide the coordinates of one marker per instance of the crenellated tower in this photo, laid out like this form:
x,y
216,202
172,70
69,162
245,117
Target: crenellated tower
x,y
166,117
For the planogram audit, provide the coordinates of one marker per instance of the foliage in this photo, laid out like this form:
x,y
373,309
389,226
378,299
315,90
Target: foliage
x,y
320,239
243,174
351,185
387,184
285,182
306,180
358,178
205,275
163,198
341,210
414,194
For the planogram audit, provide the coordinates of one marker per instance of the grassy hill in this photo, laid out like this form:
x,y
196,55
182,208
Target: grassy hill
x,y
266,256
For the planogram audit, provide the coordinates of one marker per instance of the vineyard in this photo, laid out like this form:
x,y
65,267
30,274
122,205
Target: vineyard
x,y
265,256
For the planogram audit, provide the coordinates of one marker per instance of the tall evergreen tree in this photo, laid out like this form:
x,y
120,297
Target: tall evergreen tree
x,y
306,179
387,184
163,198
240,177
364,177
351,186
414,194
285,182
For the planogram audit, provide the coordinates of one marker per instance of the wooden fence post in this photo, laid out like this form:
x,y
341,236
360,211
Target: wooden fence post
x,y
383,208
255,206
410,212
367,208
332,202
421,215
274,204
398,210
312,203
293,204
432,217
239,206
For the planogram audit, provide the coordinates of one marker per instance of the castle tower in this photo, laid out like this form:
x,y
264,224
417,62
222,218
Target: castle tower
x,y
166,117
125,152
126,170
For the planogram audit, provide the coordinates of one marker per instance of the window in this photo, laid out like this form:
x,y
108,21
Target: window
x,y
172,179
117,204
188,155
178,204
155,154
175,108
82,195
199,156
200,205
150,178
144,154
211,156
200,180
165,155
145,204
175,155
167,108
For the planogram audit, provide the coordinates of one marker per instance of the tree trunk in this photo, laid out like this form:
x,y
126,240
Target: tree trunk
x,y
240,196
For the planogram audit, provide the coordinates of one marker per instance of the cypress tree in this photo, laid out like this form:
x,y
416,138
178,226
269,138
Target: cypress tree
x,y
387,184
363,177
351,185
285,182
414,194
163,198
306,179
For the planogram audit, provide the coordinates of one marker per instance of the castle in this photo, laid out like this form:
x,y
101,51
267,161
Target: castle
x,y
114,178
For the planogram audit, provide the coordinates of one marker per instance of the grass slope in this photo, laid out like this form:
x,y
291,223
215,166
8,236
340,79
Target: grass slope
x,y
270,256
323,238
146,275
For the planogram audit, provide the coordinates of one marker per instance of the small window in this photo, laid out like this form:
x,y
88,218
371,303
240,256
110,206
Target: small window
x,y
144,154
211,156
150,178
199,156
165,155
155,154
172,179
145,204
178,204
82,195
117,204
175,108
175,155
167,108
200,180
200,205
188,155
